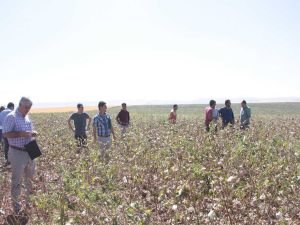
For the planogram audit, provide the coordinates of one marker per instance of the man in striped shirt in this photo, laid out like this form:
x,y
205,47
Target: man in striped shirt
x,y
19,131
103,129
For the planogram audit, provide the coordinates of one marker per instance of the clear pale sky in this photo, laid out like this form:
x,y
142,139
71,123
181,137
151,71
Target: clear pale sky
x,y
146,51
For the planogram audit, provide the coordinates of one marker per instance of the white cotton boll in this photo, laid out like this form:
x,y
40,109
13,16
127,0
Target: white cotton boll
x,y
211,215
231,179
278,215
191,209
174,207
133,205
262,197
125,179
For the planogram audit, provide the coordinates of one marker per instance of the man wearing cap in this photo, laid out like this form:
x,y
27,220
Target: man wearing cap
x,y
102,129
19,131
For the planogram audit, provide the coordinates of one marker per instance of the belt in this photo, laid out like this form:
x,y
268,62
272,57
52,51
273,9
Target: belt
x,y
18,148
105,136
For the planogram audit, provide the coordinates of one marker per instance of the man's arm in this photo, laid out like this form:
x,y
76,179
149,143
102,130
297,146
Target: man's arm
x,y
70,125
113,132
89,123
118,118
128,118
94,133
16,134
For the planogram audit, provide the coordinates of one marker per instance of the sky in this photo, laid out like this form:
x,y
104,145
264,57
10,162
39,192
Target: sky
x,y
148,51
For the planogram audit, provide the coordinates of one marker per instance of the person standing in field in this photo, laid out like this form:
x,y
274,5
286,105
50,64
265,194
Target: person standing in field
x,y
103,129
211,115
1,109
4,141
80,118
123,118
226,114
245,115
173,114
19,131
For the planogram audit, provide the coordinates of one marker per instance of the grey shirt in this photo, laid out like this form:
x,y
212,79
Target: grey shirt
x,y
79,122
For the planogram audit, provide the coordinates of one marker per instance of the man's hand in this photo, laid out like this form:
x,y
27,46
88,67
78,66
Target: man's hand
x,y
34,133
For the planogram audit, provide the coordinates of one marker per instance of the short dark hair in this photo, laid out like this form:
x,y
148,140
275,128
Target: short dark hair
x,y
101,104
227,101
123,104
244,102
212,102
175,105
79,105
25,101
10,105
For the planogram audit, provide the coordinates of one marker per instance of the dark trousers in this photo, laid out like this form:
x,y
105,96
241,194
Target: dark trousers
x,y
81,140
6,147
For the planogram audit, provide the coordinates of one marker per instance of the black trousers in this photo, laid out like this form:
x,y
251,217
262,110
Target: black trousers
x,y
81,140
6,147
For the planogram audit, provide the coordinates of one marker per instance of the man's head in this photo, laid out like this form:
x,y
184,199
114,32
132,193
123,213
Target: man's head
x,y
2,108
11,105
212,103
243,103
80,107
124,106
175,107
227,103
25,105
102,107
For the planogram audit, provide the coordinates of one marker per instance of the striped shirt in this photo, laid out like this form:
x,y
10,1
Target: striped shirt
x,y
102,122
15,122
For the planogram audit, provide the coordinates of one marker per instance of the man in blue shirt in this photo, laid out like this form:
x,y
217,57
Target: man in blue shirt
x,y
19,131
102,129
226,114
4,142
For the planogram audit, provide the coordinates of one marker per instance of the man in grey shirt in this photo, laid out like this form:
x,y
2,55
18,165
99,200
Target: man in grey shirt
x,y
79,118
245,115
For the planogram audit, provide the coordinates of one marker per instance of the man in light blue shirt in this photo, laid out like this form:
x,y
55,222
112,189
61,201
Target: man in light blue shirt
x,y
4,141
18,129
245,115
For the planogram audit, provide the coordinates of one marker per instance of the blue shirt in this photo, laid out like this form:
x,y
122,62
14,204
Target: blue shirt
x,y
227,115
102,122
3,114
14,122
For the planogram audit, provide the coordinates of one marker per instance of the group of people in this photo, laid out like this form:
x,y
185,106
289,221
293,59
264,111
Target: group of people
x,y
17,130
211,115
226,113
102,126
